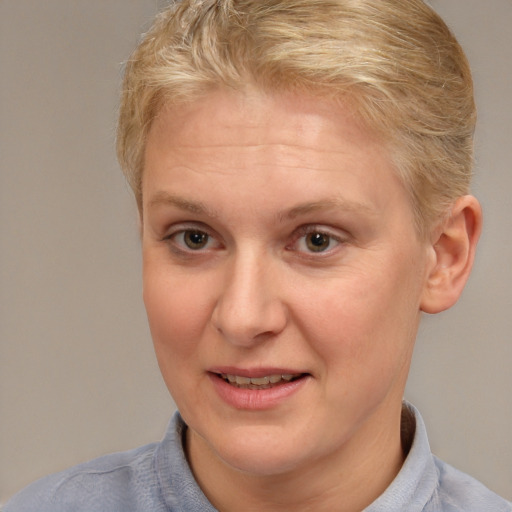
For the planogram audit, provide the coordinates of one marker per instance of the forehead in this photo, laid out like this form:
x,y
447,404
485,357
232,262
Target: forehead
x,y
252,109
307,148
226,119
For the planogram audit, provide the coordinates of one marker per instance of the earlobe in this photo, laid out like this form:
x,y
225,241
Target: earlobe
x,y
453,252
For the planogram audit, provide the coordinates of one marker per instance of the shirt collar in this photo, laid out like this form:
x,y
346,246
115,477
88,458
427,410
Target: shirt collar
x,y
417,480
179,488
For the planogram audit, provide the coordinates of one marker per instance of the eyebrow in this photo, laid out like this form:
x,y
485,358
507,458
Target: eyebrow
x,y
166,199
199,208
327,204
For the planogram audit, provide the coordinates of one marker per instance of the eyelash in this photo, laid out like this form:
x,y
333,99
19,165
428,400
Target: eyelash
x,y
300,235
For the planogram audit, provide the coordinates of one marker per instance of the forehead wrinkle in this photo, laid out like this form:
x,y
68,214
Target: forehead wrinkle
x,y
279,150
254,145
167,199
282,159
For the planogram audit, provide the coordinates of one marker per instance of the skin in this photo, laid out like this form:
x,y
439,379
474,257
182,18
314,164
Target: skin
x,y
259,178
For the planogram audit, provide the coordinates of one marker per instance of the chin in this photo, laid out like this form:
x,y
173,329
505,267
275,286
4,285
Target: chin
x,y
260,461
261,450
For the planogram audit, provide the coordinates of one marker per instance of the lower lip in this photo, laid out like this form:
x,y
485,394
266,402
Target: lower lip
x,y
256,399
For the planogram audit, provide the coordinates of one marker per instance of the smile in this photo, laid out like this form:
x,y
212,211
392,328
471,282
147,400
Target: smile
x,y
265,382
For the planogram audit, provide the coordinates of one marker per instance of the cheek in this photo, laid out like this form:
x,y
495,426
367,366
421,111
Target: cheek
x,y
177,315
363,324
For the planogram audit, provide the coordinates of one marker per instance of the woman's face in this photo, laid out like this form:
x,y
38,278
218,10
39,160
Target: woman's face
x,y
283,278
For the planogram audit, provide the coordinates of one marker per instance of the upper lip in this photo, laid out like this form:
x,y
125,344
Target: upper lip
x,y
255,372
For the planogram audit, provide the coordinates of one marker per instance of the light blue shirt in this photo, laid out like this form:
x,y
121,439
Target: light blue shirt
x,y
157,478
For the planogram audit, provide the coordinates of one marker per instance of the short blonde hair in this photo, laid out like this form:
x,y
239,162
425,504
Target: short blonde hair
x,y
395,61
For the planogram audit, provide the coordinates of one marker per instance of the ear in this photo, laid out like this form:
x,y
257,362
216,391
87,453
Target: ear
x,y
453,249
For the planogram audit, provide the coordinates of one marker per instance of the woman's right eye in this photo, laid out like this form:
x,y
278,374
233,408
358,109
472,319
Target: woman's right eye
x,y
193,240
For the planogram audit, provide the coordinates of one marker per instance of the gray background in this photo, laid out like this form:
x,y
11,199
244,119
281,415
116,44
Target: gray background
x,y
77,373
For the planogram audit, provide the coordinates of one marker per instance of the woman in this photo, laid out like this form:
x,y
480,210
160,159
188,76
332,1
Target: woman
x,y
302,175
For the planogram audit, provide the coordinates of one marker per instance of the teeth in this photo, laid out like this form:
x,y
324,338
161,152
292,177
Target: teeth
x,y
258,382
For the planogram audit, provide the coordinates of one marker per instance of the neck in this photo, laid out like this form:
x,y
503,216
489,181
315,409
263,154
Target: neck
x,y
347,480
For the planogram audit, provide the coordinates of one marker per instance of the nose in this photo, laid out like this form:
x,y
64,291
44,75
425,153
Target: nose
x,y
249,308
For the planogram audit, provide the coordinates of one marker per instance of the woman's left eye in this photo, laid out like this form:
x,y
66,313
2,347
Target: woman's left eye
x,y
316,241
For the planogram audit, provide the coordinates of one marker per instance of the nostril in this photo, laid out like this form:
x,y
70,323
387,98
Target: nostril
x,y
250,328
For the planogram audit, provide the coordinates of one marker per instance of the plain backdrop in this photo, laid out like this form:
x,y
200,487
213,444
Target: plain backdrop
x,y
77,373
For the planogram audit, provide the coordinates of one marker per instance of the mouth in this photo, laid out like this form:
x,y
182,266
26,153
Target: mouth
x,y
257,389
263,382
